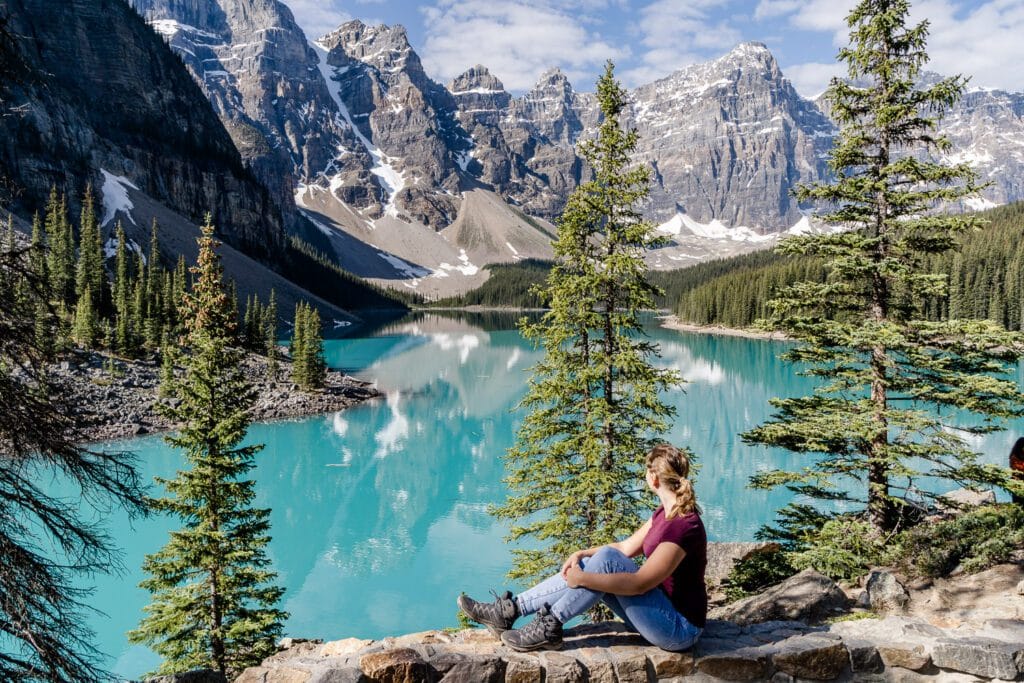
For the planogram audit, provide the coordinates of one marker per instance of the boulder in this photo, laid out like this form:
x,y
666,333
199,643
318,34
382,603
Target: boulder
x,y
965,498
813,657
258,674
561,668
808,596
722,557
743,664
401,665
980,656
460,668
864,657
343,675
885,593
900,641
523,669
197,676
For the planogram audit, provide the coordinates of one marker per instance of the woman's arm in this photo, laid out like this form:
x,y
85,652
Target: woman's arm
x,y
630,547
658,567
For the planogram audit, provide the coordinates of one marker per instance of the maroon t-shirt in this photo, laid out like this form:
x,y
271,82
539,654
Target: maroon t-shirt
x,y
685,586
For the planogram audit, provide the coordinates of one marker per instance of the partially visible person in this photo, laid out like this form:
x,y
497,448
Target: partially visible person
x,y
664,600
1017,465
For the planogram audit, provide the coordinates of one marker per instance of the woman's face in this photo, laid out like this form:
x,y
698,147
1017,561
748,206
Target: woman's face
x,y
652,479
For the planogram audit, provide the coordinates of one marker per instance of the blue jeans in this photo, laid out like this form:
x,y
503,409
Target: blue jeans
x,y
650,614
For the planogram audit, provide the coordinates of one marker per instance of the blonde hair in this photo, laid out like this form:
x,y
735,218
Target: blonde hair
x,y
672,466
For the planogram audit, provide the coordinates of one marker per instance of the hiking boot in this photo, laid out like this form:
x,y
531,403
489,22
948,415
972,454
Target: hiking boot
x,y
497,616
543,633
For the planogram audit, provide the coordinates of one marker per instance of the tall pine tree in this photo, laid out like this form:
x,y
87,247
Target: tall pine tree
x,y
49,546
214,601
880,419
90,275
593,400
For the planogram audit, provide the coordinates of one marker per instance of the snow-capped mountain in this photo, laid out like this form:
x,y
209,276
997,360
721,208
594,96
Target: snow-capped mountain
x,y
407,179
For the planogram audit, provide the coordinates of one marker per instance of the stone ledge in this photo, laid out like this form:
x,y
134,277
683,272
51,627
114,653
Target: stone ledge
x,y
893,648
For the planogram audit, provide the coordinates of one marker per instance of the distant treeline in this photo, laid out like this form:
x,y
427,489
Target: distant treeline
x,y
986,279
312,270
508,286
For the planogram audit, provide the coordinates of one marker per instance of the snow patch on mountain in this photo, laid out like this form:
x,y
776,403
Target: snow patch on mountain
x,y
714,230
980,203
391,179
115,197
466,268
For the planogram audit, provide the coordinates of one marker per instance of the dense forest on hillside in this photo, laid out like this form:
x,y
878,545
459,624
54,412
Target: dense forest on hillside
x,y
310,269
509,286
986,279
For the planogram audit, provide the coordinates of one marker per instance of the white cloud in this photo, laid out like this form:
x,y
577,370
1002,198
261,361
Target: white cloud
x,y
766,9
981,40
676,34
318,17
517,41
984,43
811,79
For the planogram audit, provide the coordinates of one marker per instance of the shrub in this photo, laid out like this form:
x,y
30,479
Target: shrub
x,y
844,548
756,572
974,540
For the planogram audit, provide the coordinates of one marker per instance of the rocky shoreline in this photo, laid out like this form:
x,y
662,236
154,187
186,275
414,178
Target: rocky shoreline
x,y
115,398
673,323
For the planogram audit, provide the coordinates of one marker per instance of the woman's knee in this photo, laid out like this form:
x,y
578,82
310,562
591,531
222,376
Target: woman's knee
x,y
609,560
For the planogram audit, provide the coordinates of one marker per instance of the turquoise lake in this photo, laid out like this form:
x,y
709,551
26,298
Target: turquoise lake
x,y
380,511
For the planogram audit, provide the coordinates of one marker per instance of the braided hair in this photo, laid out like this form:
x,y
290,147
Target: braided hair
x,y
673,469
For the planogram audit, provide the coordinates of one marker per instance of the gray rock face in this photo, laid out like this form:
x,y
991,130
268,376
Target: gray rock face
x,y
725,140
987,131
404,115
124,104
729,139
256,67
808,596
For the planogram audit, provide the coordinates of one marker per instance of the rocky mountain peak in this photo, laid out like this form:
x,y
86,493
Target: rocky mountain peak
x,y
553,82
384,47
206,14
477,79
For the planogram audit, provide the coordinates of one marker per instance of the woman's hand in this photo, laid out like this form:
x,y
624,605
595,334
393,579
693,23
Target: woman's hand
x,y
572,561
574,576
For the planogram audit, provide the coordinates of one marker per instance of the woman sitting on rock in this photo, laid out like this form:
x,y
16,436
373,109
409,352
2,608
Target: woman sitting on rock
x,y
665,599
1017,465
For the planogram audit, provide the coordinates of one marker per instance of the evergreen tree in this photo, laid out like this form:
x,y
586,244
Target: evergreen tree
x,y
297,350
60,251
313,351
139,301
42,323
86,327
50,547
270,335
881,417
124,333
153,321
593,400
90,275
309,370
214,603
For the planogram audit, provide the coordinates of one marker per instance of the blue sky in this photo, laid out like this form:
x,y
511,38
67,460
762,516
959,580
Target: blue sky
x,y
649,39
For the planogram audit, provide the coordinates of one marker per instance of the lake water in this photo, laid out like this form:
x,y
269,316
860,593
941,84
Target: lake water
x,y
380,512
